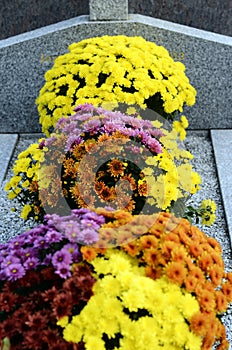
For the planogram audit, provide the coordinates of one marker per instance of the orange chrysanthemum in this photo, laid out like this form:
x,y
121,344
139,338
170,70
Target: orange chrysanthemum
x,y
195,249
227,291
128,206
143,189
216,273
98,186
205,261
190,283
179,254
88,253
151,256
123,217
116,167
148,241
103,137
217,259
176,272
206,300
153,272
168,247
89,145
78,151
208,342
199,324
107,193
70,168
197,273
214,244
132,248
221,301
183,234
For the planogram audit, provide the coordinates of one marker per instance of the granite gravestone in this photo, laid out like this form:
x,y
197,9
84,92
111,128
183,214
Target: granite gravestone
x,y
101,10
25,58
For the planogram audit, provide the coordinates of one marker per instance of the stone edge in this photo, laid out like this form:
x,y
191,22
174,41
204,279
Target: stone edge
x,y
223,160
132,18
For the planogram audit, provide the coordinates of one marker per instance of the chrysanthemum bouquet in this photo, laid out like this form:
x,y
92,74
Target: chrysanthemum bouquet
x,y
115,69
113,265
100,157
60,289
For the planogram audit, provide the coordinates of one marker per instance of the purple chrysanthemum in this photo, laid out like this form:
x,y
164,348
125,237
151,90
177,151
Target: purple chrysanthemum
x,y
53,236
9,260
14,271
31,263
89,236
63,271
26,253
62,256
71,230
73,249
40,242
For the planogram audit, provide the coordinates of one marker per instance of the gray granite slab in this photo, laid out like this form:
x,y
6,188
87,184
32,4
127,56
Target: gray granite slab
x,y
108,10
25,58
7,145
222,144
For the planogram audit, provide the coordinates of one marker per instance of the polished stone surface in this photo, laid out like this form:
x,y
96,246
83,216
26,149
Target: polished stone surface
x,y
222,144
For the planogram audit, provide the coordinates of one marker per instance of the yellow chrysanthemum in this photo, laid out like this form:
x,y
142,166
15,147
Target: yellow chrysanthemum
x,y
113,68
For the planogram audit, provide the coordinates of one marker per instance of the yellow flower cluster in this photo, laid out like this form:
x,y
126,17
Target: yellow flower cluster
x,y
208,208
132,310
176,178
24,183
116,69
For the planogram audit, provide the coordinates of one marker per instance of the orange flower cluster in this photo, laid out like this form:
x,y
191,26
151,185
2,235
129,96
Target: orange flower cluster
x,y
171,246
182,252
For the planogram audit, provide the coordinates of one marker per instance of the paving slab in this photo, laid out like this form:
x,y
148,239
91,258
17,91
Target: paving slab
x,y
7,145
222,145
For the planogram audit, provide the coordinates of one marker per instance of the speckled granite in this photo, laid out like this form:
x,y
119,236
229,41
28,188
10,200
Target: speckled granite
x,y
7,145
25,58
108,10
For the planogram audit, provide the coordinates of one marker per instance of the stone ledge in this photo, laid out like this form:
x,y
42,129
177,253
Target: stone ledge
x,y
222,145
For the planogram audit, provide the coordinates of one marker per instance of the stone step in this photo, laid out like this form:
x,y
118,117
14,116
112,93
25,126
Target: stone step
x,y
222,145
7,145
